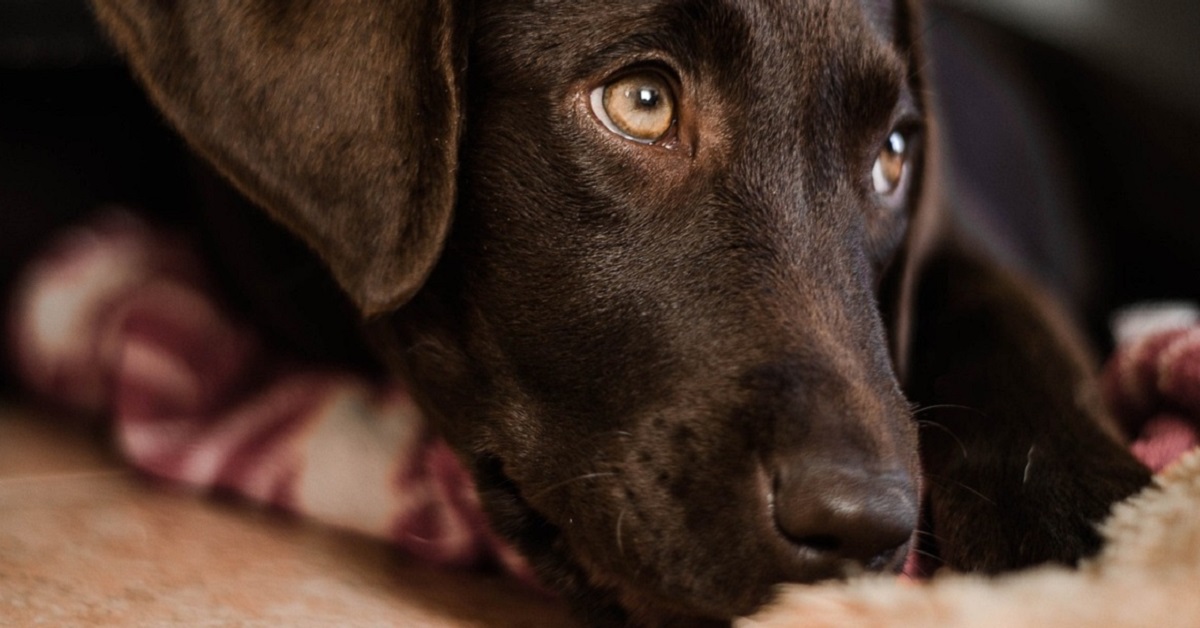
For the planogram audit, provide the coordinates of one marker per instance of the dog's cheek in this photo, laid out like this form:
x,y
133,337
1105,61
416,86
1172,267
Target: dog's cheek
x,y
687,521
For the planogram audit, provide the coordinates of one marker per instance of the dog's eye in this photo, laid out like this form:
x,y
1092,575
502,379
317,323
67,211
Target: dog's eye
x,y
891,166
638,106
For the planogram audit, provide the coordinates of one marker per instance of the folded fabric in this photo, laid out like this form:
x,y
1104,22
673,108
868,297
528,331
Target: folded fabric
x,y
1152,382
119,320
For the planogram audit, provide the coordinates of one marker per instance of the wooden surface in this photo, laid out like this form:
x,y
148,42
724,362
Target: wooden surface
x,y
83,541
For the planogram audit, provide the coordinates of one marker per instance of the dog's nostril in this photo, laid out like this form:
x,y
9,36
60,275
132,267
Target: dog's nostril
x,y
821,542
847,513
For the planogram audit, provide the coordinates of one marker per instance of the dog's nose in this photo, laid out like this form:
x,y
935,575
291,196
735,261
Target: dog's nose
x,y
846,513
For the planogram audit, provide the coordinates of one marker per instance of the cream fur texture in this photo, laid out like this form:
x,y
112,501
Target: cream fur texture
x,y
1148,575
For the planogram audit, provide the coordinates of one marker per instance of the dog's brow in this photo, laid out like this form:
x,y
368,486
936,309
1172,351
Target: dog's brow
x,y
691,33
639,45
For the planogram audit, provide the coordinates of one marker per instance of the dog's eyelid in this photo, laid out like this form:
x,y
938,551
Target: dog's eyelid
x,y
912,128
906,115
635,53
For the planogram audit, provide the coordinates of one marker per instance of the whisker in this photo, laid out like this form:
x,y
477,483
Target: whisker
x,y
962,446
920,552
620,540
948,406
976,493
1028,464
937,482
930,535
578,478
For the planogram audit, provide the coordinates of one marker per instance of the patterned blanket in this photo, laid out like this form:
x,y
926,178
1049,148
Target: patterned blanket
x,y
1152,382
119,320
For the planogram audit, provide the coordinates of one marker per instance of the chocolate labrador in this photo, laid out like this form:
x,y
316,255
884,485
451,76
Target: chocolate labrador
x,y
673,276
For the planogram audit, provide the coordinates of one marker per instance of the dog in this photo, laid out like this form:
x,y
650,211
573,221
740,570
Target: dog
x,y
674,277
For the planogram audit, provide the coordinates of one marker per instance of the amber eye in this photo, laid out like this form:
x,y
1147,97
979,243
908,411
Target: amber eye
x,y
891,166
638,106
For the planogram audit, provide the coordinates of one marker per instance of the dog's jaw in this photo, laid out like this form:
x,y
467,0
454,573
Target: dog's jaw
x,y
584,537
603,599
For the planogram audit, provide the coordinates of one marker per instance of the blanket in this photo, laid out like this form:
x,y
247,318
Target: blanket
x,y
119,320
1147,573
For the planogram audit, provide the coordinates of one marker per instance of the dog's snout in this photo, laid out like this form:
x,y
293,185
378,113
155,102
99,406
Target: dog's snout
x,y
845,512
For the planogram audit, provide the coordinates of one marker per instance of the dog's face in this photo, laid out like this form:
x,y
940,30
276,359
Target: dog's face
x,y
655,327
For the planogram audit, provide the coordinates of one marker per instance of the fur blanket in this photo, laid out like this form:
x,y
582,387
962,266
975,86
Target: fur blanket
x,y
119,320
1148,573
1146,577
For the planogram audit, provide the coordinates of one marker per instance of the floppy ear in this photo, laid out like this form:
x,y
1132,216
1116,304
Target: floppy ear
x,y
341,118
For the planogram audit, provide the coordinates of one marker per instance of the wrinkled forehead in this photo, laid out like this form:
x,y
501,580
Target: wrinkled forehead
x,y
578,37
796,21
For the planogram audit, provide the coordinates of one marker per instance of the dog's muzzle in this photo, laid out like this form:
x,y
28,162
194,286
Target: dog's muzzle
x,y
843,513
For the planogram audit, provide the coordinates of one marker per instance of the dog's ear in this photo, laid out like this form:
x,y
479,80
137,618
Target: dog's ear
x,y
341,118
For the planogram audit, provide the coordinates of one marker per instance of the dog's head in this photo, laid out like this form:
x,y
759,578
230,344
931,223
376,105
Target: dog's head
x,y
641,246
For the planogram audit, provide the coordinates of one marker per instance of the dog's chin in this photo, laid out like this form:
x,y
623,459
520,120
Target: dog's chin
x,y
647,606
595,595
646,609
603,597
747,584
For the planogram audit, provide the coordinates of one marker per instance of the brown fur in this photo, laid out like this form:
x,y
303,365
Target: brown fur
x,y
645,351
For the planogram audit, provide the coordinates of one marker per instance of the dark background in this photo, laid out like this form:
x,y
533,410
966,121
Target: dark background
x,y
1073,127
77,135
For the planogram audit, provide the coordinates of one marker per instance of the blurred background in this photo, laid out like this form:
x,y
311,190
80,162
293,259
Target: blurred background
x,y
1072,127
77,136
